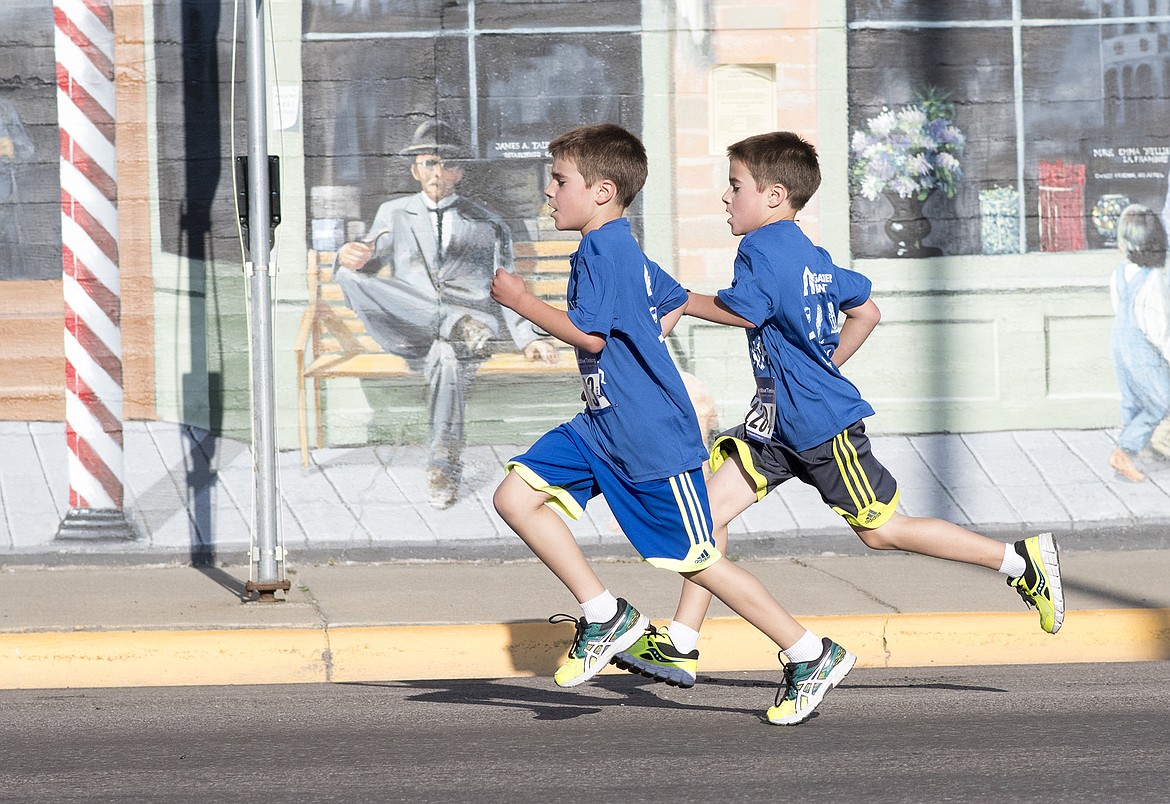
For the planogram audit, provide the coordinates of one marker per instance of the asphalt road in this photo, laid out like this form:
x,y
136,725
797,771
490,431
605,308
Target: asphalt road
x,y
1088,732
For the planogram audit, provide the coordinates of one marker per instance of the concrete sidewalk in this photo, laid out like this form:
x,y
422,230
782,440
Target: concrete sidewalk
x,y
188,495
87,626
385,587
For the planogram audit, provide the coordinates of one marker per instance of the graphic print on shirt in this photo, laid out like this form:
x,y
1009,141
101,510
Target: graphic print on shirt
x,y
819,312
760,421
650,295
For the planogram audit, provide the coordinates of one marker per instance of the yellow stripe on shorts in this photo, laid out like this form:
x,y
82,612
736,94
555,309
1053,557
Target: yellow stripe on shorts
x,y
852,474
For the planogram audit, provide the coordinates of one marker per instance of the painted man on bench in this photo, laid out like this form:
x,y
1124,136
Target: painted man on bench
x,y
420,283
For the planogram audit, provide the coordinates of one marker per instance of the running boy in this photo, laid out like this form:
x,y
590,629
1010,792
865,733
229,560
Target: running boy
x,y
805,420
638,440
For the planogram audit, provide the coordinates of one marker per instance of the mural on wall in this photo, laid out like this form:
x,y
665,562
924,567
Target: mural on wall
x,y
426,162
30,225
193,48
1141,340
906,155
1057,135
1029,134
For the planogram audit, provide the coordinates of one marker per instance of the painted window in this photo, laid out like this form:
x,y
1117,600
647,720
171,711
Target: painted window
x,y
507,77
1063,109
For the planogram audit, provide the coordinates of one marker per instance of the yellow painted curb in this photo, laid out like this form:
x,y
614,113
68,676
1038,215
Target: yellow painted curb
x,y
969,638
386,653
447,651
161,658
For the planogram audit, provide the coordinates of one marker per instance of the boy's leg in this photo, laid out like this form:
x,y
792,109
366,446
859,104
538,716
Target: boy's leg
x,y
731,492
1032,565
670,655
550,539
547,536
744,594
806,681
933,537
859,488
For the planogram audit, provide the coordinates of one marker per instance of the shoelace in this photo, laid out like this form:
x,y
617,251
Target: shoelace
x,y
1027,598
580,625
789,683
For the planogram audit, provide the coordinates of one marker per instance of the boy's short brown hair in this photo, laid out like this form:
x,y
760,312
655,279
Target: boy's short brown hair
x,y
780,157
605,151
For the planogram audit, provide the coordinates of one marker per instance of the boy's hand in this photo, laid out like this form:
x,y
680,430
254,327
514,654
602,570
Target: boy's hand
x,y
507,288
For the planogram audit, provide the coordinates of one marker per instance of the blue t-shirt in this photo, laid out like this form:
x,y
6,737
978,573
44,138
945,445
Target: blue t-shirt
x,y
638,415
793,293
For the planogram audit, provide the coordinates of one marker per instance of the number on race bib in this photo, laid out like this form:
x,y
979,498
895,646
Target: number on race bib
x,y
760,422
591,380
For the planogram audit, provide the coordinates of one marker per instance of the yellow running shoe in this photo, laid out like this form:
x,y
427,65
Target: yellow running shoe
x,y
655,656
807,683
596,643
1039,586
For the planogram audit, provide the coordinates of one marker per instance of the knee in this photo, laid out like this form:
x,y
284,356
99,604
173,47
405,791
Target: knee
x,y
503,501
510,501
883,538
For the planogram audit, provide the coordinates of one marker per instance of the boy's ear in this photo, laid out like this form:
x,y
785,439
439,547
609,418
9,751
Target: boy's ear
x,y
604,191
777,195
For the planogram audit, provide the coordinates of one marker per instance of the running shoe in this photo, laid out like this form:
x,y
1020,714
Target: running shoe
x,y
596,643
655,656
807,683
1039,586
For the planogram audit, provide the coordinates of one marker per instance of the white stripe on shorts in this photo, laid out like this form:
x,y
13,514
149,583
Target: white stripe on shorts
x,y
690,511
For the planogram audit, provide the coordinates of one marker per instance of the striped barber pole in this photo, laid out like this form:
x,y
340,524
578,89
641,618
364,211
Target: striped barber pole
x,y
84,47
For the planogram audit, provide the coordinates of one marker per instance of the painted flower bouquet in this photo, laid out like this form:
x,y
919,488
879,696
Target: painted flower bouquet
x,y
909,152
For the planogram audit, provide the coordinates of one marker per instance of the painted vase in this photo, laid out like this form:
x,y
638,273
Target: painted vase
x,y
907,227
1105,214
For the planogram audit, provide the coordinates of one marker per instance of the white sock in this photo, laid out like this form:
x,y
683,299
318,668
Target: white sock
x,y
806,649
1013,564
683,637
600,609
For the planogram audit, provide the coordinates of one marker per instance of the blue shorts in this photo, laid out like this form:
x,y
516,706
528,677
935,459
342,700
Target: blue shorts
x,y
668,521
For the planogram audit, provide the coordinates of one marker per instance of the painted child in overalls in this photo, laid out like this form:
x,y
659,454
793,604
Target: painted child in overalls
x,y
1141,304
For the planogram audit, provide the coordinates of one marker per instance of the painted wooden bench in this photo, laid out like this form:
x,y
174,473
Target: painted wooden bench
x,y
332,341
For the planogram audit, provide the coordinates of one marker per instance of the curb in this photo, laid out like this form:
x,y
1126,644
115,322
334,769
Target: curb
x,y
78,659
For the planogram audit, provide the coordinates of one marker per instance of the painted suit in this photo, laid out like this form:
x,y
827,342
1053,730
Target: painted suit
x,y
411,298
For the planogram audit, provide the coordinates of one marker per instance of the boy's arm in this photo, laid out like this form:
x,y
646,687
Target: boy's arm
x,y
510,291
671,319
859,322
711,308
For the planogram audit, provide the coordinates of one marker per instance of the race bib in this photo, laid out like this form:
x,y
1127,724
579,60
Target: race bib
x,y
761,418
591,378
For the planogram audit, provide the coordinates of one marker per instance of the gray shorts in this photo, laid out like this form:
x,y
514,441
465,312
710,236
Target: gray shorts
x,y
850,480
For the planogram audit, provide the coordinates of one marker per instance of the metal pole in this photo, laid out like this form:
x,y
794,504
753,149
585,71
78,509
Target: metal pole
x,y
267,572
